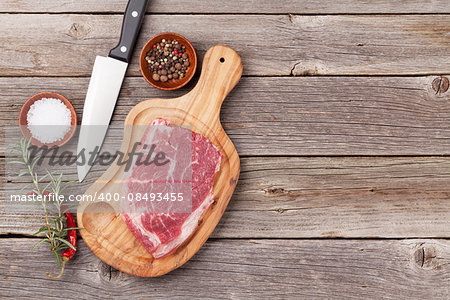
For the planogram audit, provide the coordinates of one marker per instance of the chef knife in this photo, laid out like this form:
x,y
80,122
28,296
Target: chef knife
x,y
106,80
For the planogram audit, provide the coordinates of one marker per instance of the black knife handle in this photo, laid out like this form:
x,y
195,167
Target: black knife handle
x,y
131,25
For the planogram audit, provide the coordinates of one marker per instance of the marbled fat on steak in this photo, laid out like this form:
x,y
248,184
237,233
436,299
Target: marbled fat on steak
x,y
162,226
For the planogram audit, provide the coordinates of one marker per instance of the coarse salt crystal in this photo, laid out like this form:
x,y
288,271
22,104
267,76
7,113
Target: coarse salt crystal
x,y
48,120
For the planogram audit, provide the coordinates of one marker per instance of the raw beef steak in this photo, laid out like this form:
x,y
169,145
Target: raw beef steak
x,y
161,226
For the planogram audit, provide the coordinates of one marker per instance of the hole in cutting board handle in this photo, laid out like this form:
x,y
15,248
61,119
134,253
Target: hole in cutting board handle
x,y
222,60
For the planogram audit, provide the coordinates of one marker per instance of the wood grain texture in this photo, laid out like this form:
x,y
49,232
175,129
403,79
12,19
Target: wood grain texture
x,y
290,116
234,6
31,45
294,197
106,234
250,269
277,197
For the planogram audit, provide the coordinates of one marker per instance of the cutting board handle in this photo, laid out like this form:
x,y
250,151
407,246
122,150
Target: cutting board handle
x,y
221,71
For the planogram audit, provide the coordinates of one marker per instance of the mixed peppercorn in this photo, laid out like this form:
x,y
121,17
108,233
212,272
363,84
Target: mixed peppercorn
x,y
168,60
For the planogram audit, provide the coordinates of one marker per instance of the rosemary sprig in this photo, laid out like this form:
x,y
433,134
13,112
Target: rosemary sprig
x,y
54,218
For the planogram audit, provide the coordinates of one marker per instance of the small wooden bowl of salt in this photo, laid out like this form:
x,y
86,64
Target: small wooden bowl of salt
x,y
49,119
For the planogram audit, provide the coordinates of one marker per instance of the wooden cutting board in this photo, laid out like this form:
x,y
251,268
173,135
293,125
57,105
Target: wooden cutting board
x,y
104,231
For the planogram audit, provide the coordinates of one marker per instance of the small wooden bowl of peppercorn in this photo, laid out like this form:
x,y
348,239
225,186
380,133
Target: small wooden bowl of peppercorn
x,y
168,61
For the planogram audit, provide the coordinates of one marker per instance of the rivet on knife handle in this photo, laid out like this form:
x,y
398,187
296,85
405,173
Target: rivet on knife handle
x,y
132,22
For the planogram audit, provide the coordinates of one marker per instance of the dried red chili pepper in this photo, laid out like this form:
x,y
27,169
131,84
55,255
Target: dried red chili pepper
x,y
72,237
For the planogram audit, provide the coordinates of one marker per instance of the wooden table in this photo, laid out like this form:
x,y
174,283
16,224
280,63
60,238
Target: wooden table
x,y
341,120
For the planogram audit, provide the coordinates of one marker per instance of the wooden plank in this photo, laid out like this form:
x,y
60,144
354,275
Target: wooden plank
x,y
45,45
234,6
251,269
291,116
315,197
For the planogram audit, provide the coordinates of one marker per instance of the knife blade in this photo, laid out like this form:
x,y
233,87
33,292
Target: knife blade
x,y
104,87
